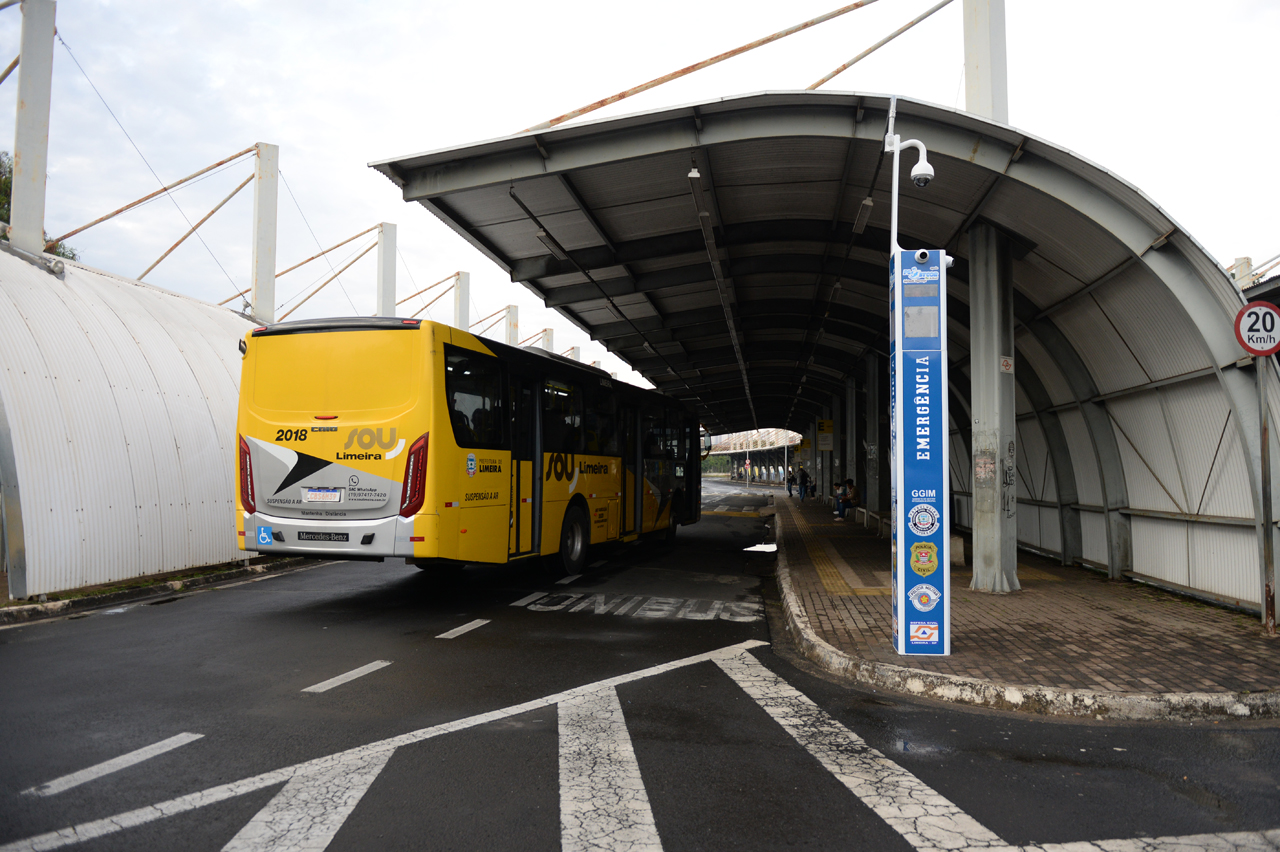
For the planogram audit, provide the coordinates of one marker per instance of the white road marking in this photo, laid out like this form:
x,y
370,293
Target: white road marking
x,y
352,757
603,803
466,628
597,563
564,581
115,764
926,819
325,686
308,812
906,802
528,599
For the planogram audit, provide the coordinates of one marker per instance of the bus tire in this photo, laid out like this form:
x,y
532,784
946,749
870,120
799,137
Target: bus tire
x,y
575,540
677,510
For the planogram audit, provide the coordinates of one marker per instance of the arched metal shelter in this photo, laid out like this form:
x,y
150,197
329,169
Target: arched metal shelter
x,y
758,290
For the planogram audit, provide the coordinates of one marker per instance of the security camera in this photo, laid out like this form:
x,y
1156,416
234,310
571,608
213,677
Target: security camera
x,y
922,256
922,173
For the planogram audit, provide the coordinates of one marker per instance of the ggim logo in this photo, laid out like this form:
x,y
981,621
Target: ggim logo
x,y
366,438
561,466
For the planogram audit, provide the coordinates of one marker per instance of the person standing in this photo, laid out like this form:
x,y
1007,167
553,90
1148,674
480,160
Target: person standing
x,y
804,483
791,481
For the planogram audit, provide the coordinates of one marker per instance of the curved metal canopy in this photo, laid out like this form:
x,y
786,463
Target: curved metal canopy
x,y
735,253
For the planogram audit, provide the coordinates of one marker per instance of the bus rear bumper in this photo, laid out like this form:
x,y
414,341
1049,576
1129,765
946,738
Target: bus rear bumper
x,y
363,539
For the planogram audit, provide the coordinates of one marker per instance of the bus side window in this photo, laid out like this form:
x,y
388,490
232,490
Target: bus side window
x,y
602,426
473,388
651,428
561,418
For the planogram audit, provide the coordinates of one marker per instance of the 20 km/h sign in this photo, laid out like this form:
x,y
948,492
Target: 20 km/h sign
x,y
1258,328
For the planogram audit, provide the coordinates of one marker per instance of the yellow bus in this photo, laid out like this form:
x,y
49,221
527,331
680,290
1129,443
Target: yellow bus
x,y
368,438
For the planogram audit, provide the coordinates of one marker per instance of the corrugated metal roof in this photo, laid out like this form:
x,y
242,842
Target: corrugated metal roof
x,y
120,400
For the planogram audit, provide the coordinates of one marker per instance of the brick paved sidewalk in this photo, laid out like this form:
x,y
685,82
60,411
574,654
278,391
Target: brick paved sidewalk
x,y
1068,628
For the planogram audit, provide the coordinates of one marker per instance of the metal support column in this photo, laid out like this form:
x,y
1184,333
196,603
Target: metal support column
x,y
31,133
266,182
386,270
851,433
986,76
995,497
874,405
462,301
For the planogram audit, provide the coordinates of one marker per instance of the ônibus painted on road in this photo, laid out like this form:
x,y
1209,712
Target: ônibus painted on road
x,y
366,438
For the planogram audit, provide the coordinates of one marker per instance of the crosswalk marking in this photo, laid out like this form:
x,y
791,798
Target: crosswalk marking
x,y
308,812
598,761
603,803
926,819
124,761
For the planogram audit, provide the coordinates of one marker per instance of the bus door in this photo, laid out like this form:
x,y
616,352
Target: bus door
x,y
524,512
632,471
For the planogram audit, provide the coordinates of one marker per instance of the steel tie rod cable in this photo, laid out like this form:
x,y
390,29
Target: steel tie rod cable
x,y
873,48
706,63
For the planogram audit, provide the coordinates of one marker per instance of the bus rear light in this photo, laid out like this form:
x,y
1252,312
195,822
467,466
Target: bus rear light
x,y
246,478
415,478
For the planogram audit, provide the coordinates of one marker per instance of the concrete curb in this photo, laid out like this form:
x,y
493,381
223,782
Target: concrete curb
x,y
35,612
1048,701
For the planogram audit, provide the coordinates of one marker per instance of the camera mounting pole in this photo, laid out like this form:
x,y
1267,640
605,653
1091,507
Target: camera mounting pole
x,y
919,429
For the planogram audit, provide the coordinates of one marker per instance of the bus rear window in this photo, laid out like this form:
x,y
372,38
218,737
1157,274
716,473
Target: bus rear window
x,y
336,371
473,387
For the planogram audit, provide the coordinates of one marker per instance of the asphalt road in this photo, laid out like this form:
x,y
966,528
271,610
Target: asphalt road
x,y
640,706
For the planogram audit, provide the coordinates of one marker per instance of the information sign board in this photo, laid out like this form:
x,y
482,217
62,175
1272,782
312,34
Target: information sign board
x,y
826,434
919,437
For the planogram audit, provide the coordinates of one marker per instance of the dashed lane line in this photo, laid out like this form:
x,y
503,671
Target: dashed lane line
x,y
115,764
466,628
564,581
603,802
528,599
326,685
598,563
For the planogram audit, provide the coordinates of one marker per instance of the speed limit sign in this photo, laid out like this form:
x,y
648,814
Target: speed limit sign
x,y
1258,328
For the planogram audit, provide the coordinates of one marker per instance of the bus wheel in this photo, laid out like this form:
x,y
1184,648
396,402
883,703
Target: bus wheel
x,y
673,525
575,538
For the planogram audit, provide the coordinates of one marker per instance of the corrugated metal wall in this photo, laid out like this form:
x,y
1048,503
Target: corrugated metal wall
x,y
121,404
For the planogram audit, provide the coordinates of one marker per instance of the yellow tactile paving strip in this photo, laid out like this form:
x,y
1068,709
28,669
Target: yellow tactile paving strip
x,y
827,571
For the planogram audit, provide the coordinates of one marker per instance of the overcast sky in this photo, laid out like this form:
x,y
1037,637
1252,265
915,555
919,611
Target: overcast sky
x,y
1179,97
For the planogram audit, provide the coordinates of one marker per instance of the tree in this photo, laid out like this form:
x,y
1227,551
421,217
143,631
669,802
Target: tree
x,y
6,193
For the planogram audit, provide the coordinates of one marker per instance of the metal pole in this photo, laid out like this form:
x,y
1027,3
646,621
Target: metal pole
x,y
192,230
675,75
1268,544
386,270
265,196
31,132
873,48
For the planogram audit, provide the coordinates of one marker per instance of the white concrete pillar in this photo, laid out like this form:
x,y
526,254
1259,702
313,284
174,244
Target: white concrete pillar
x,y
575,353
462,301
265,196
31,133
512,324
549,339
599,365
995,489
986,70
386,270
